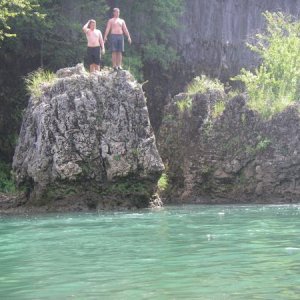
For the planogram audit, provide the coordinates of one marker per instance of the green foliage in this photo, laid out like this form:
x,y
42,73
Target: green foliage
x,y
49,36
232,93
60,35
7,185
263,144
218,109
133,63
163,182
37,79
275,84
11,9
184,104
202,84
150,24
164,55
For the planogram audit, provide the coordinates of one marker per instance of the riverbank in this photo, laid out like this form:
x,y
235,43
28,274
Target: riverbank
x,y
16,204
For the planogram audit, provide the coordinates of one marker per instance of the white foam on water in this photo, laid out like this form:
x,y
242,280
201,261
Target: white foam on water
x,y
292,250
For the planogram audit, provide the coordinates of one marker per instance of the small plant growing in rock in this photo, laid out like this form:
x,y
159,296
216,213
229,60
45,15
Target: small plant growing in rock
x,y
135,152
263,144
202,84
163,182
35,81
218,109
117,157
184,104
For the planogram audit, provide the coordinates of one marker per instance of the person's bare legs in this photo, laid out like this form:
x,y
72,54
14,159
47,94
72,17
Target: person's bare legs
x,y
114,59
94,67
119,59
91,68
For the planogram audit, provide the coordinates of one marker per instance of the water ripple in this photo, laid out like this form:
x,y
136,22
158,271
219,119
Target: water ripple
x,y
180,252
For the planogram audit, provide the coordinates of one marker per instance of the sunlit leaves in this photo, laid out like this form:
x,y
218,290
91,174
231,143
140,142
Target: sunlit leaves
x,y
10,9
275,84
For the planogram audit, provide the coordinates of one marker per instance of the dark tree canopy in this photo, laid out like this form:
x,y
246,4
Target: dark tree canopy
x,y
47,34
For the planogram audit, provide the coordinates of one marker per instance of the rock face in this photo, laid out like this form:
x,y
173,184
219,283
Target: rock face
x,y
87,143
213,33
234,157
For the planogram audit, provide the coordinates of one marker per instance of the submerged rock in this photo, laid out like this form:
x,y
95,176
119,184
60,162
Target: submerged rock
x,y
87,142
233,157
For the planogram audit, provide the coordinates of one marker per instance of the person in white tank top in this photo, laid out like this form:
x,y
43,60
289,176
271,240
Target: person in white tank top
x,y
94,42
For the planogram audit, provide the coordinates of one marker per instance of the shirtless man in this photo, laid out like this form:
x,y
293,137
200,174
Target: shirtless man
x,y
95,40
116,27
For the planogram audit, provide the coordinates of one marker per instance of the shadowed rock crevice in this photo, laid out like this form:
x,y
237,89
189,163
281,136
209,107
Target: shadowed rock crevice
x,y
80,147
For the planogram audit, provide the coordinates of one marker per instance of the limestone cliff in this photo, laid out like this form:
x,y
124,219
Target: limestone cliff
x,y
212,34
234,157
87,142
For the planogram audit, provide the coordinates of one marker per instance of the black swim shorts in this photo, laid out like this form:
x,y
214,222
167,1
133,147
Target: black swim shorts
x,y
117,42
93,55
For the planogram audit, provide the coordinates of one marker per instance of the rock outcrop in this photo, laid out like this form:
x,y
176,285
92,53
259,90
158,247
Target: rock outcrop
x,y
234,157
87,142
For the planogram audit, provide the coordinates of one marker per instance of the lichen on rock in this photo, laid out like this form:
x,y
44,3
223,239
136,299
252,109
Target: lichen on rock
x,y
86,134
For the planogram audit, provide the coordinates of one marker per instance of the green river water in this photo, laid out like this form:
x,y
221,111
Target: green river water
x,y
179,252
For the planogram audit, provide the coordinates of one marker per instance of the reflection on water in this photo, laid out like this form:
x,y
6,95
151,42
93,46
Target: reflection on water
x,y
180,252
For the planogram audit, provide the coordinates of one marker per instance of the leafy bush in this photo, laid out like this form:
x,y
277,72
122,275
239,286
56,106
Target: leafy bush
x,y
35,80
202,84
275,84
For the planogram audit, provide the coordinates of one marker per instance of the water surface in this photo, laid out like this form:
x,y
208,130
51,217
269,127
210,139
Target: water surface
x,y
180,252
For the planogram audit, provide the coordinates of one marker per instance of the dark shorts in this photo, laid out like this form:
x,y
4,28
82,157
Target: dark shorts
x,y
93,55
117,42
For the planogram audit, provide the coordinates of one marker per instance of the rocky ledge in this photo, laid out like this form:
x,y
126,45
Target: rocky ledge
x,y
87,143
232,157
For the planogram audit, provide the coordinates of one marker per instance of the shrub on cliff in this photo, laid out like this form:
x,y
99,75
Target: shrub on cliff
x,y
275,84
35,80
203,84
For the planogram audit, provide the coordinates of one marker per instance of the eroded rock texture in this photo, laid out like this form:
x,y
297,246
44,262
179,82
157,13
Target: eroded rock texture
x,y
87,142
234,157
